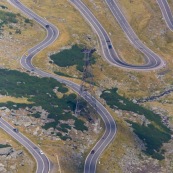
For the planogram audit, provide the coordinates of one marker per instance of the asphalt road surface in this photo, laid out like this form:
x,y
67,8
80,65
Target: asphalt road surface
x,y
153,61
26,62
43,164
166,12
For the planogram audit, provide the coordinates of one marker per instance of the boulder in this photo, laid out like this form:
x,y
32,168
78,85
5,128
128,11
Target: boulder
x,y
17,153
6,151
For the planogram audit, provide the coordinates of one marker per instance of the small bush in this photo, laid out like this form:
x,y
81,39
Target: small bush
x,y
79,125
3,7
63,90
18,31
27,20
36,115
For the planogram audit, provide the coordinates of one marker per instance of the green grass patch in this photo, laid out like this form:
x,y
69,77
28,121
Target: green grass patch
x,y
70,57
153,135
50,125
7,17
114,100
65,137
79,125
63,89
15,106
65,126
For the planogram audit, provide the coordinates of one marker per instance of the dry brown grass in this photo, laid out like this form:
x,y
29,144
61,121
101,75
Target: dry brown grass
x,y
112,156
4,99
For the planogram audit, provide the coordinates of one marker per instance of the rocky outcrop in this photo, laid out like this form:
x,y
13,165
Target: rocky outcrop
x,y
17,153
6,151
10,152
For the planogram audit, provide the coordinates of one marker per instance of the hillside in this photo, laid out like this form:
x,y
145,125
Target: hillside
x,y
133,150
15,29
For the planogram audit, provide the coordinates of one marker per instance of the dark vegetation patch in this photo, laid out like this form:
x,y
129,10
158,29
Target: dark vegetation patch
x,y
49,125
4,145
62,74
36,115
40,92
27,20
15,106
3,7
7,17
70,57
65,126
153,135
65,137
18,31
63,89
79,125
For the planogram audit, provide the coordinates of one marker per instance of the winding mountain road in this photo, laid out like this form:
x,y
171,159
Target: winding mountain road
x,y
43,163
166,12
153,61
26,62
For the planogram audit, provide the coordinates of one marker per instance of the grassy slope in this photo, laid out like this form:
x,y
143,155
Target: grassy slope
x,y
4,99
146,83
152,31
121,43
65,39
71,57
13,81
14,46
153,134
75,20
69,22
147,28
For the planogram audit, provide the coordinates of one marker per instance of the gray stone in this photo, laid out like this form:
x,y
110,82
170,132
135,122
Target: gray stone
x,y
13,167
27,124
6,151
17,153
